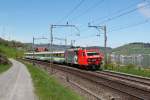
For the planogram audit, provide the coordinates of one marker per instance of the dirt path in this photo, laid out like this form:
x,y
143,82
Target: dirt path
x,y
16,83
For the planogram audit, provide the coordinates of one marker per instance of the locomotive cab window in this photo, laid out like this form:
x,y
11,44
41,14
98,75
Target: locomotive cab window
x,y
92,53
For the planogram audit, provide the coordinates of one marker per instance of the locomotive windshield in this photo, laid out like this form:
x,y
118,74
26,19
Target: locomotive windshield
x,y
92,53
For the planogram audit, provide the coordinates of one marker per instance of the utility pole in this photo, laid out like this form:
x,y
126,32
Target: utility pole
x,y
51,37
33,51
55,26
73,42
103,28
33,46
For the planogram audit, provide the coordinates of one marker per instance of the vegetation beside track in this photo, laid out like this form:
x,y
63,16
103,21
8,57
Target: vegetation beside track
x,y
10,52
11,49
47,88
4,67
129,69
4,63
8,49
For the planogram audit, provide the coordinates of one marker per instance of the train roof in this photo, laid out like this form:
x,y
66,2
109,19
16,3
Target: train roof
x,y
55,52
87,49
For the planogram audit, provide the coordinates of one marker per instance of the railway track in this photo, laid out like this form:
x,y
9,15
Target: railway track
x,y
137,88
128,77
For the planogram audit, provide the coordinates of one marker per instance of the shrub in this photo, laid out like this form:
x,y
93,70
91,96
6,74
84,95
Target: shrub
x,y
3,59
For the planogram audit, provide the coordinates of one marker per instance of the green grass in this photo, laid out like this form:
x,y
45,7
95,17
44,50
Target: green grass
x,y
4,68
10,52
129,69
47,88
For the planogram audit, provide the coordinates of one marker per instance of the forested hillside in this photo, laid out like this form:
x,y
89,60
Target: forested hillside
x,y
133,48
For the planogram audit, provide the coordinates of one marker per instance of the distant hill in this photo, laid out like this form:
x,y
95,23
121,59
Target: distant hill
x,y
55,47
9,47
13,44
133,48
63,47
109,49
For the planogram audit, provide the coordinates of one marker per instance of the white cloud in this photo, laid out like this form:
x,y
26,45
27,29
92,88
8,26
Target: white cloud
x,y
144,10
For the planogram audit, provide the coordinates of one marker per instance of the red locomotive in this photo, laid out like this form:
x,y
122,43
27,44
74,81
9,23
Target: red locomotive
x,y
84,58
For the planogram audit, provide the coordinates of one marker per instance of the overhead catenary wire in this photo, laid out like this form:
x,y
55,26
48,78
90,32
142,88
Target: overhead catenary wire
x,y
128,13
95,5
71,11
124,13
130,26
122,28
87,10
116,12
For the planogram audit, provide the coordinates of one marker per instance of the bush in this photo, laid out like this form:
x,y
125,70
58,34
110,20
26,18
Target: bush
x,y
131,66
109,66
3,59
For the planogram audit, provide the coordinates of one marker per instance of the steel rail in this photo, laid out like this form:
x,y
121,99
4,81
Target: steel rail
x,y
128,77
116,84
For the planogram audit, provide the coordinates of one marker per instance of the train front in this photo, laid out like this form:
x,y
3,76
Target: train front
x,y
94,58
91,59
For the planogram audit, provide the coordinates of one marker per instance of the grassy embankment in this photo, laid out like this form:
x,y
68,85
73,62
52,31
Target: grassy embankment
x,y
4,67
10,52
7,51
129,69
4,63
47,88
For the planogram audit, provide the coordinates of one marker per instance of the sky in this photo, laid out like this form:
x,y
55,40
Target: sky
x,y
126,21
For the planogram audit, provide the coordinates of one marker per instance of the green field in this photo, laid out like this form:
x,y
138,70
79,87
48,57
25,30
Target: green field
x,y
3,67
129,69
47,88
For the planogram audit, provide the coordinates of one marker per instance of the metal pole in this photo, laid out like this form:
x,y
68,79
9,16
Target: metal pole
x,y
51,45
105,38
65,40
105,44
67,25
51,34
71,43
33,51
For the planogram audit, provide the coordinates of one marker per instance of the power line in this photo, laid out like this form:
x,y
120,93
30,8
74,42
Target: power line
x,y
124,13
130,26
71,11
125,27
117,12
88,9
